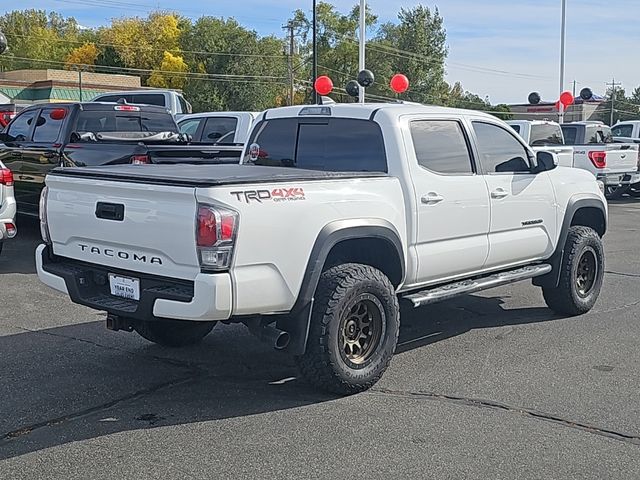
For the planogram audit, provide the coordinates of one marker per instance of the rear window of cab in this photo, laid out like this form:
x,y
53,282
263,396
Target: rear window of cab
x,y
313,143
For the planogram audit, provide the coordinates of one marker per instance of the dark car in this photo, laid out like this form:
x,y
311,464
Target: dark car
x,y
51,135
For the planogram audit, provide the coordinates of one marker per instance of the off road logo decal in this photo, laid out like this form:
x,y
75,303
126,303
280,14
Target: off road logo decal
x,y
276,195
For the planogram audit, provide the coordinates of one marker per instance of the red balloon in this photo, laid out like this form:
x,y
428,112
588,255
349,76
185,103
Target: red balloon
x,y
323,85
566,99
399,83
558,105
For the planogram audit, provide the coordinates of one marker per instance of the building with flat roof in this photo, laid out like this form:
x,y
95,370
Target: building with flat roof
x,y
580,111
38,86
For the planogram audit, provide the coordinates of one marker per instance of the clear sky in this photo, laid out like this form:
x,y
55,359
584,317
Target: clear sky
x,y
500,48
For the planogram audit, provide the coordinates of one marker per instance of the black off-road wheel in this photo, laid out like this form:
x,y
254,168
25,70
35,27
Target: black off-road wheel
x,y
354,329
581,274
173,333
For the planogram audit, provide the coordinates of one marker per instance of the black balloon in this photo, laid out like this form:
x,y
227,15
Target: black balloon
x,y
366,78
586,94
353,88
534,98
3,43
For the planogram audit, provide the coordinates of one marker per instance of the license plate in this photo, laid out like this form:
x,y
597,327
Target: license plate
x,y
125,287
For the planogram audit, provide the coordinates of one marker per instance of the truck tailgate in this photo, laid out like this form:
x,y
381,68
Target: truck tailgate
x,y
127,226
621,158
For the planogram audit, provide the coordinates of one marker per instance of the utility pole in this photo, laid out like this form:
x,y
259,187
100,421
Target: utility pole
x,y
563,34
574,89
613,86
292,93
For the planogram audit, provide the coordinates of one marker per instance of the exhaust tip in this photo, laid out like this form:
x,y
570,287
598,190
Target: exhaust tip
x,y
282,341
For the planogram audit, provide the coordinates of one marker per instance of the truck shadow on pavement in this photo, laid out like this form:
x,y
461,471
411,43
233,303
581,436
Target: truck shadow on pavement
x,y
81,382
18,254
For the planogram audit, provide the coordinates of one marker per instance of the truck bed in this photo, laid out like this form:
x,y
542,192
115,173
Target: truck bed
x,y
205,175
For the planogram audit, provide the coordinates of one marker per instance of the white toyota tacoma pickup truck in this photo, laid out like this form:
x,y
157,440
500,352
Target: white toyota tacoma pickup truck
x,y
336,214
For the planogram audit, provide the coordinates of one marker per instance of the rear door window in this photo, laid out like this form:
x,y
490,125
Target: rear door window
x,y
441,146
49,125
20,129
219,130
543,135
328,144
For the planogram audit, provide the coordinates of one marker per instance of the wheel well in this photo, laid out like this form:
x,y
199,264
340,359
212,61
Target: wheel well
x,y
376,252
590,217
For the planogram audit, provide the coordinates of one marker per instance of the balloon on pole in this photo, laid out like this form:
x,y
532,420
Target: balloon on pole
x,y
323,85
566,99
399,83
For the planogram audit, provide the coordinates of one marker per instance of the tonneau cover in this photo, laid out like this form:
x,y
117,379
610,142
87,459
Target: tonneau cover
x,y
205,175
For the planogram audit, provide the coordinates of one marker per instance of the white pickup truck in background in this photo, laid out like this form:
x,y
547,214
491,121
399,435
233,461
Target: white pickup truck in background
x,y
543,135
218,128
615,164
626,132
336,213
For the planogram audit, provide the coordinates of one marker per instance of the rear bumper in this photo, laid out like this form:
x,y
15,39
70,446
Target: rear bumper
x,y
207,298
7,215
614,179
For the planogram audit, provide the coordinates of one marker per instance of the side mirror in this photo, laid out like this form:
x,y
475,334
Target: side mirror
x,y
545,161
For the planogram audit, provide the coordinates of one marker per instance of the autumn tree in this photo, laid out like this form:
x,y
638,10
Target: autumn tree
x,y
86,54
170,74
141,43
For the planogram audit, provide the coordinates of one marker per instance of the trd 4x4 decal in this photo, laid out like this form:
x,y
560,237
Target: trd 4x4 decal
x,y
275,195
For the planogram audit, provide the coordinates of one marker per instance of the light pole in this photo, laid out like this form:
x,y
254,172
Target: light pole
x,y
363,39
316,97
563,32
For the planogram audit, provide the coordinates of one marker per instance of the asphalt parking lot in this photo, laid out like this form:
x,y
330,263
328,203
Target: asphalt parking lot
x,y
488,386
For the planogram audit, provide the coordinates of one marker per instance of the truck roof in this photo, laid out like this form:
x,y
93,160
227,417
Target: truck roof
x,y
532,122
367,111
96,106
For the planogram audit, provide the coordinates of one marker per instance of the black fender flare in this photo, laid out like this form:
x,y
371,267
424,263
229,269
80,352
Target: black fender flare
x,y
297,322
552,278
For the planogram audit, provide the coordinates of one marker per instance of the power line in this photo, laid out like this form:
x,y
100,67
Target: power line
x,y
195,75
122,45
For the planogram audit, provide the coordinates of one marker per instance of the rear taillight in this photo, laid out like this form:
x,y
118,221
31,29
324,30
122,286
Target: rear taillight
x,y
140,159
6,117
216,229
44,226
6,177
12,231
599,159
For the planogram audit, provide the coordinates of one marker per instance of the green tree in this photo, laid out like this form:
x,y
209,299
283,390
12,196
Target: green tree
x,y
235,65
33,35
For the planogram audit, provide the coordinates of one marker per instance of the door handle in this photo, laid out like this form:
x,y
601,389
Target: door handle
x,y
499,193
431,198
624,156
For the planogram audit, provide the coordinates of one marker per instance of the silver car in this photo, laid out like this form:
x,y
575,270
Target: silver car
x,y
7,206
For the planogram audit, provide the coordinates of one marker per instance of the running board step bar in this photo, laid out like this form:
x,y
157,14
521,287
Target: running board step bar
x,y
464,287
